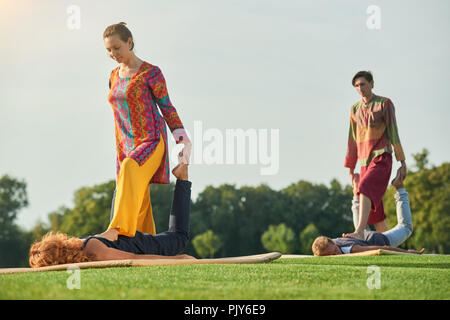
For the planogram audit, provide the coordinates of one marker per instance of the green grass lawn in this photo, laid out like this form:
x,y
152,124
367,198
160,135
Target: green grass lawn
x,y
401,277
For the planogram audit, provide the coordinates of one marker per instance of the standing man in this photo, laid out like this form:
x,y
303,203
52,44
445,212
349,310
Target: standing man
x,y
372,136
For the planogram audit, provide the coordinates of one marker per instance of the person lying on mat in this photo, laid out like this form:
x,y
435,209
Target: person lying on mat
x,y
58,248
388,240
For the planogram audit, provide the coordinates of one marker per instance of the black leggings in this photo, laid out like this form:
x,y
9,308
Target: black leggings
x,y
167,243
174,240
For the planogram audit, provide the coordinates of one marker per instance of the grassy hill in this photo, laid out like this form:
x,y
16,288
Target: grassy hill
x,y
401,277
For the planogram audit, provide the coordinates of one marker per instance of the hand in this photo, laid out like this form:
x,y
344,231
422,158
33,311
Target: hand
x,y
416,252
181,136
185,256
403,171
351,173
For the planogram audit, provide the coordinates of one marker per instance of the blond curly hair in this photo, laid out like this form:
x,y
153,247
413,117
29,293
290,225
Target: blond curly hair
x,y
57,248
320,245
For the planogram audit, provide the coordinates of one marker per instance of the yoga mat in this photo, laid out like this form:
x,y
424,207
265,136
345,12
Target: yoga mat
x,y
259,258
377,252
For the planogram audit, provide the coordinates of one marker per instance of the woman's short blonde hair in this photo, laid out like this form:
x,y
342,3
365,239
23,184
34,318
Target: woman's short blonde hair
x,y
121,30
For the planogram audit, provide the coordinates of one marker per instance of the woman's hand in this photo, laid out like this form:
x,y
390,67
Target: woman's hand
x,y
185,155
180,136
185,256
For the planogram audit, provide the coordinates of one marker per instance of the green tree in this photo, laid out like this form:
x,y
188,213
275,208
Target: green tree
x,y
92,209
91,212
207,244
328,208
307,237
421,159
14,242
161,196
279,238
429,196
219,209
238,216
13,197
260,206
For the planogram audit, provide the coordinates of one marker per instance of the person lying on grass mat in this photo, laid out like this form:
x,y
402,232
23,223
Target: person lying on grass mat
x,y
388,240
58,248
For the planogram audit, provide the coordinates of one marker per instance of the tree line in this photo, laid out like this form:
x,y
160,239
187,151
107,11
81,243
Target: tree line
x,y
231,221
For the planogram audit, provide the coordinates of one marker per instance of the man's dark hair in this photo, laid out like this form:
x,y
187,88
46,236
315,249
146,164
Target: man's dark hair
x,y
362,74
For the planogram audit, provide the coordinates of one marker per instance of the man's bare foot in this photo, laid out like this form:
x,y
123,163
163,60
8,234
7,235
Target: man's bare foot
x,y
110,234
180,171
397,181
354,235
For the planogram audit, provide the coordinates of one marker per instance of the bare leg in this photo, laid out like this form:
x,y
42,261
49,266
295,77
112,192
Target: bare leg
x,y
381,226
364,211
397,182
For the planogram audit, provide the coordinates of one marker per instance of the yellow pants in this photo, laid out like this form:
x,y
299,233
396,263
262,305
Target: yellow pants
x,y
132,206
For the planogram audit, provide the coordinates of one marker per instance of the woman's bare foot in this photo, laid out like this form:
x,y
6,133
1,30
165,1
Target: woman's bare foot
x,y
180,171
110,234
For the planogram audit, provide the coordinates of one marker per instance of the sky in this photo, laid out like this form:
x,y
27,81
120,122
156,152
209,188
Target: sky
x,y
277,71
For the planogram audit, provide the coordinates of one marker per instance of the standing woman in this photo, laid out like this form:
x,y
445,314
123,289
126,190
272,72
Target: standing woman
x,y
136,88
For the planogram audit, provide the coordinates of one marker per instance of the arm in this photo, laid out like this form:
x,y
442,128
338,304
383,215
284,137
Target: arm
x,y
392,134
158,86
100,252
352,150
358,248
392,131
